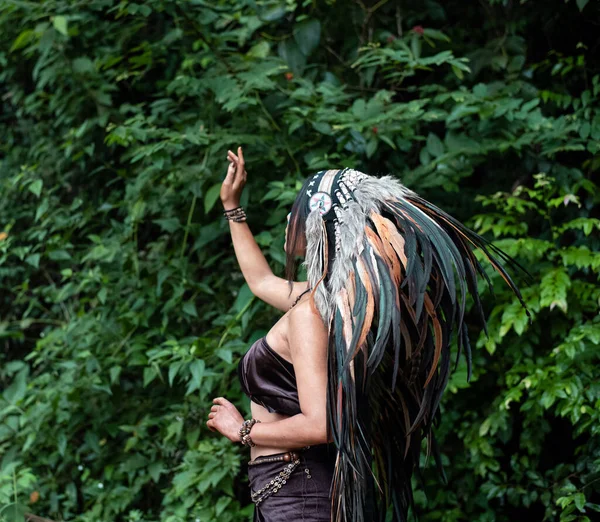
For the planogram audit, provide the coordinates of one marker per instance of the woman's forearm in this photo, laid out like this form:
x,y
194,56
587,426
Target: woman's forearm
x,y
294,432
252,262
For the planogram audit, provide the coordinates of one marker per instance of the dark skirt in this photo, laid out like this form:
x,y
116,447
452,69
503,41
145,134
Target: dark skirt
x,y
306,496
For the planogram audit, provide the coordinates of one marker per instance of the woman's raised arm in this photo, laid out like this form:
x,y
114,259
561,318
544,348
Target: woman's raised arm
x,y
263,283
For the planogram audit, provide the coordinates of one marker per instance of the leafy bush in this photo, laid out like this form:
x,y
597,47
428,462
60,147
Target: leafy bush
x,y
123,311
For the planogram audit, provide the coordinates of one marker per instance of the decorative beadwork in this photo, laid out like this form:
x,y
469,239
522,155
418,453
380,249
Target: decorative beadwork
x,y
236,214
320,201
245,432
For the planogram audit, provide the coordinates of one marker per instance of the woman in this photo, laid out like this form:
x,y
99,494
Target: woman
x,y
359,364
289,419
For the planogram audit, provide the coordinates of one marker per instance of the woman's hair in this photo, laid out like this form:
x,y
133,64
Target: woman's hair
x,y
296,233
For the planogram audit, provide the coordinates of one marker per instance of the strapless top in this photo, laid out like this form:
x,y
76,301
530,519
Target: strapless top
x,y
268,379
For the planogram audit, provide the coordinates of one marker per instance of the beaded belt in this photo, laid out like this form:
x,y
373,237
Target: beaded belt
x,y
277,483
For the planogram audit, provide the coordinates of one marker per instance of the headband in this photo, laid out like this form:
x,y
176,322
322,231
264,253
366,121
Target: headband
x,y
331,189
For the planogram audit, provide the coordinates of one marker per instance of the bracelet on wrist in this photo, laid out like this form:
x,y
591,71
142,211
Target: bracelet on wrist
x,y
236,214
245,438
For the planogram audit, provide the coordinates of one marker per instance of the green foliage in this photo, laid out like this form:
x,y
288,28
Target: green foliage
x,y
123,312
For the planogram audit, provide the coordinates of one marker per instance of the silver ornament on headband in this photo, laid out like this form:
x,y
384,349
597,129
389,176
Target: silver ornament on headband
x,y
321,201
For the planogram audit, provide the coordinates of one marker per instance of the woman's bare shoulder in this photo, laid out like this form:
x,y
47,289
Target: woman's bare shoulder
x,y
304,319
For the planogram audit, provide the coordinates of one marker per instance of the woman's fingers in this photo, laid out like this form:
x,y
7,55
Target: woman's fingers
x,y
232,168
230,176
240,172
232,158
240,165
236,171
243,162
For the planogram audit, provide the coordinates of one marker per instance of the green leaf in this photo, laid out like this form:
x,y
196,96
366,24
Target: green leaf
x,y
33,260
581,4
292,55
273,14
22,40
191,437
59,255
387,140
222,503
260,50
60,24
307,36
459,74
163,274
174,430
149,375
115,372
13,512
322,127
197,371
185,480
434,145
168,224
480,90
190,309
244,297
155,469
415,46
584,130
530,105
371,147
434,34
16,391
580,501
36,187
173,370
83,65
554,286
225,355
211,197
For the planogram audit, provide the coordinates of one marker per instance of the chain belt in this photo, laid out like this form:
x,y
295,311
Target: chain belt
x,y
277,483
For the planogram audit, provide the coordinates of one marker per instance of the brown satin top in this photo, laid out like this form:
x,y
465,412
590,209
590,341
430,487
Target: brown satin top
x,y
268,379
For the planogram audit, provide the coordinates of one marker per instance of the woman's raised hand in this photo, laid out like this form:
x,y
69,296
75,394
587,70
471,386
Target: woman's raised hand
x,y
233,184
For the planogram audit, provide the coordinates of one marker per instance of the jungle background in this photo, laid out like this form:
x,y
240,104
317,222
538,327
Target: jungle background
x,y
122,308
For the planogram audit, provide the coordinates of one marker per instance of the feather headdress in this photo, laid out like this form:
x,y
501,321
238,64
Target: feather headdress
x,y
390,273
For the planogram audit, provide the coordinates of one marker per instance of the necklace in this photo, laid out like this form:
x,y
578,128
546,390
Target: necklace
x,y
298,298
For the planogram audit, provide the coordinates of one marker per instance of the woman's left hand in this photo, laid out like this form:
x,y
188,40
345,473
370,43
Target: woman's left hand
x,y
225,418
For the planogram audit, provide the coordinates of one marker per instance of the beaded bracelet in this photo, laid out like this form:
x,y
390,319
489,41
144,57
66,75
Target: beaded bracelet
x,y
236,214
245,432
